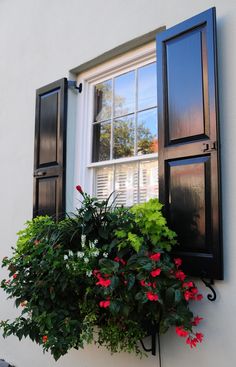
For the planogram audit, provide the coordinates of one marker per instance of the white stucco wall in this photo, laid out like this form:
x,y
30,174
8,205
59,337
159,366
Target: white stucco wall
x,y
40,41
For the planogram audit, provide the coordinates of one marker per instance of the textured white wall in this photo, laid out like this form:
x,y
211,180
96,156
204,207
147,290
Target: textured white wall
x,y
40,41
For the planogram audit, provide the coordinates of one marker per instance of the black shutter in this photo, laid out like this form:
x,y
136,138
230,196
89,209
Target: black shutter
x,y
50,149
189,141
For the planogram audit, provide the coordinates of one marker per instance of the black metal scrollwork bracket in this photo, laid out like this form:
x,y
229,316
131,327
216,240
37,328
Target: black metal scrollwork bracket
x,y
152,349
209,284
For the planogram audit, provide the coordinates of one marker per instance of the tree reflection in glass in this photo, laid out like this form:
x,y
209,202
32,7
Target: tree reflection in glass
x,y
147,132
124,94
103,101
101,141
123,136
147,87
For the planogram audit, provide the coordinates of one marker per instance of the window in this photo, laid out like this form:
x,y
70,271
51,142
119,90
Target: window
x,y
122,114
116,98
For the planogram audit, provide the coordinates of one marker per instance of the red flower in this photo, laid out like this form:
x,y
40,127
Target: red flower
x,y
119,260
104,304
178,262
155,273
104,282
180,275
191,342
155,257
199,297
196,320
45,338
188,285
79,188
14,276
199,337
152,296
145,284
194,290
181,332
187,295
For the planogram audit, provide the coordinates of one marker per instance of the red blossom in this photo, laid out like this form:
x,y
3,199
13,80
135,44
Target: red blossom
x,y
199,337
197,320
155,272
194,290
199,297
119,260
178,262
180,275
104,282
45,338
155,257
188,285
187,295
181,332
79,188
191,341
152,296
104,304
97,273
14,276
145,284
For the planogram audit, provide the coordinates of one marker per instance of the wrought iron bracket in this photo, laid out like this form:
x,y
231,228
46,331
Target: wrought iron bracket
x,y
209,284
73,84
152,349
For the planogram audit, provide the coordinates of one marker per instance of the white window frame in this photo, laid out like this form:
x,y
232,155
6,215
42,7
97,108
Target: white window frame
x,y
83,171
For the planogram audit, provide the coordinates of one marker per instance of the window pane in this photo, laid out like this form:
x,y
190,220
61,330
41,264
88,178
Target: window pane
x,y
124,93
104,182
103,101
147,86
123,137
148,180
147,141
101,142
126,184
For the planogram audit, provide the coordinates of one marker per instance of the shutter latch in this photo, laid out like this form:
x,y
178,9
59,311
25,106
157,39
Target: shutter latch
x,y
209,147
73,84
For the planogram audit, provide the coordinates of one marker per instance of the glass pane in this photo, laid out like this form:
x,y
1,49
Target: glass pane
x,y
147,86
147,141
126,184
101,142
124,93
103,101
123,137
104,182
148,180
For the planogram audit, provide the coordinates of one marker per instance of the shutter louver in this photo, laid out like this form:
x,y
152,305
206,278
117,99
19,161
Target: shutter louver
x,y
189,173
50,149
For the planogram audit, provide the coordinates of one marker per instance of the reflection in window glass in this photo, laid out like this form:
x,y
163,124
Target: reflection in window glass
x,y
126,184
101,142
123,136
148,180
125,93
147,132
147,86
103,101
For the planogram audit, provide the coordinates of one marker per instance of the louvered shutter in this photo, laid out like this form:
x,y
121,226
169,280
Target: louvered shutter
x,y
50,149
189,173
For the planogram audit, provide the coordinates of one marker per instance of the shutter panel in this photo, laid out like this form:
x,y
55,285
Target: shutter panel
x,y
50,149
189,172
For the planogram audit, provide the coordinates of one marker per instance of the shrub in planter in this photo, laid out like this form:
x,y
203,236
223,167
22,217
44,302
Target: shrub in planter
x,y
99,275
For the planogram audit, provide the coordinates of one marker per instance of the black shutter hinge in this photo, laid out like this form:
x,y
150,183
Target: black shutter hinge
x,y
73,84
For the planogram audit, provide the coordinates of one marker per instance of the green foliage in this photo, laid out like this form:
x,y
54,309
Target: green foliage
x,y
102,274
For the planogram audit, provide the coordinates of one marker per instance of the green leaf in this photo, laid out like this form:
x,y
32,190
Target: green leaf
x,y
109,265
